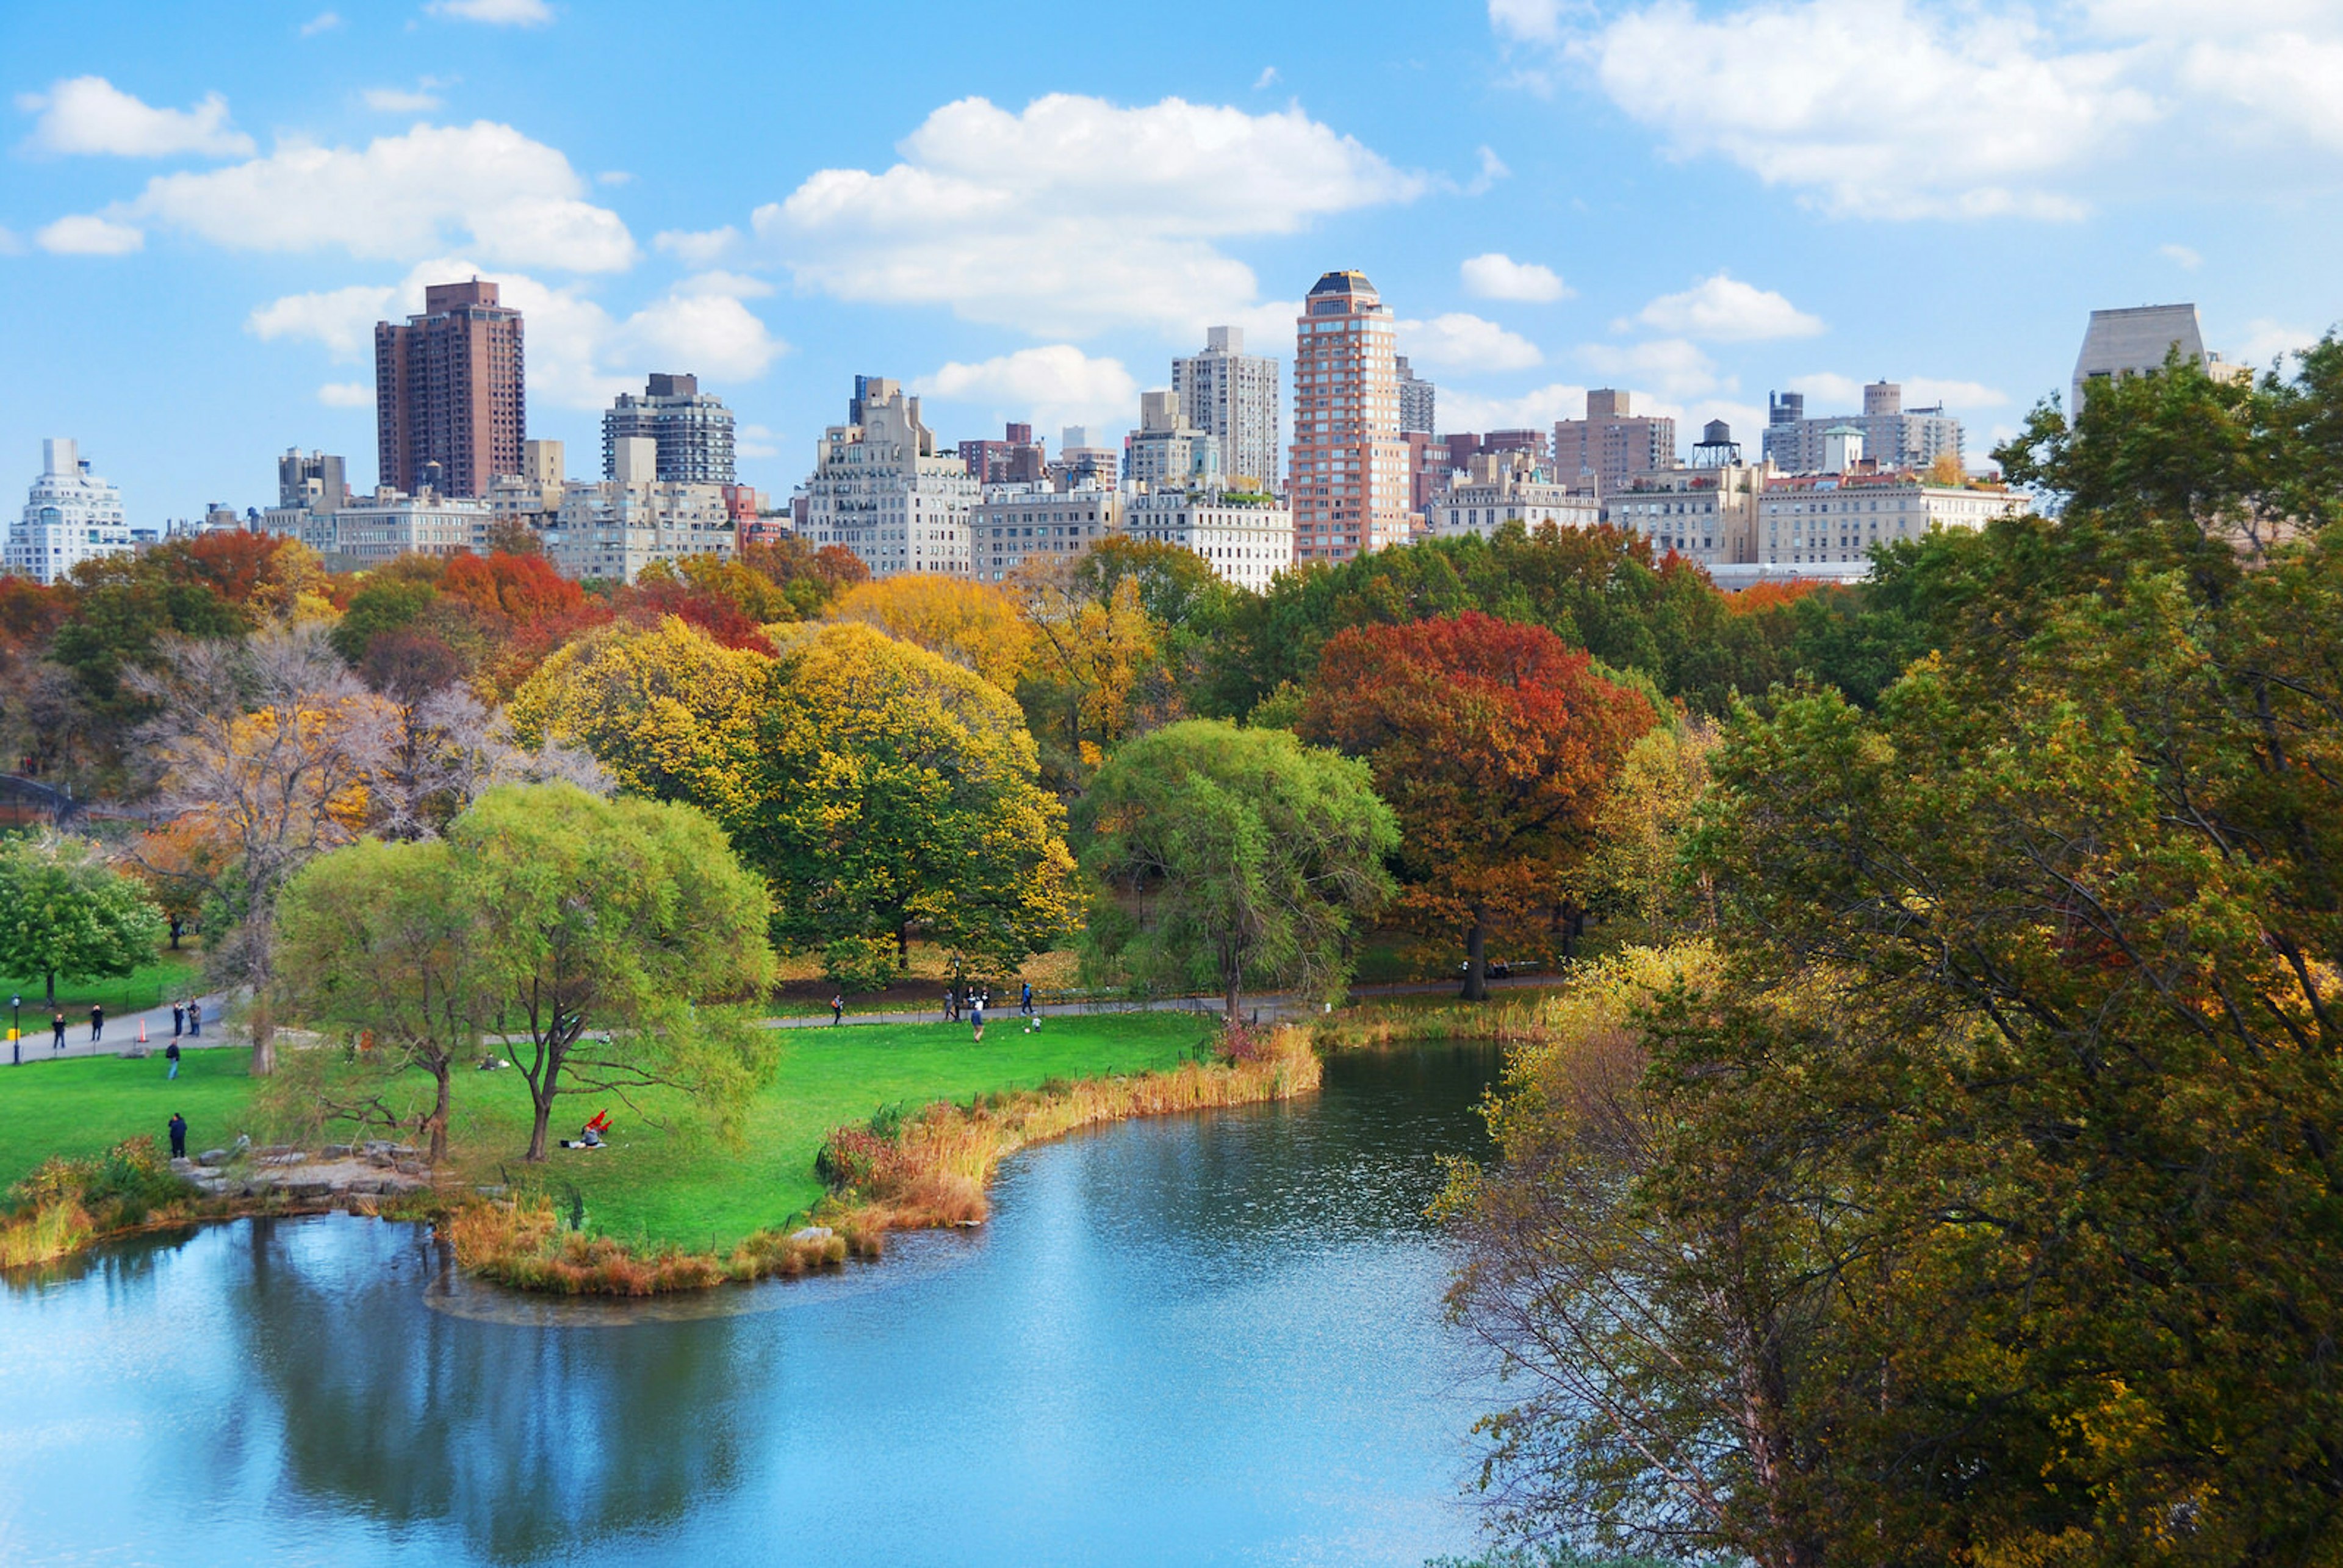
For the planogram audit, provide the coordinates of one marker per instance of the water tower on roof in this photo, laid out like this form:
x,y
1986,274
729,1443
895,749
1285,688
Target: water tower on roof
x,y
1717,448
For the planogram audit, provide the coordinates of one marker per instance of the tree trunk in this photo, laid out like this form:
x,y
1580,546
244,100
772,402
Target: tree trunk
x,y
903,945
537,1129
264,1033
1231,997
52,976
439,1110
1476,962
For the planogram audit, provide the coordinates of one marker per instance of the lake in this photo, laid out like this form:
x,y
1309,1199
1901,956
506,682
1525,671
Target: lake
x,y
1197,1339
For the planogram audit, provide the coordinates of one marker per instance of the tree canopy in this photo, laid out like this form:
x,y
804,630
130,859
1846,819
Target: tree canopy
x,y
64,910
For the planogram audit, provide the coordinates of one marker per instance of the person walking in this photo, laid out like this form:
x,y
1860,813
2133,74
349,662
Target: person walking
x,y
1025,1000
179,1019
178,1125
97,1022
195,1017
975,1013
837,1008
58,1023
171,1055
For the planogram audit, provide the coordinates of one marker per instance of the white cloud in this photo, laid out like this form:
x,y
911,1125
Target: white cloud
x,y
1724,309
1470,411
322,22
1531,21
2267,341
702,248
614,177
1457,341
419,99
1671,365
517,202
1492,169
1074,215
346,394
1268,77
756,441
1925,391
1053,387
83,235
580,355
1827,392
495,13
91,115
1497,275
2181,255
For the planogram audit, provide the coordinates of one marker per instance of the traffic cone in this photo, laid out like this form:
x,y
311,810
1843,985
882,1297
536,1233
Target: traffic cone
x,y
142,1032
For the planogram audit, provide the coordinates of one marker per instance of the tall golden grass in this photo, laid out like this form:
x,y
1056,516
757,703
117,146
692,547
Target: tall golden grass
x,y
66,1204
936,1170
523,1244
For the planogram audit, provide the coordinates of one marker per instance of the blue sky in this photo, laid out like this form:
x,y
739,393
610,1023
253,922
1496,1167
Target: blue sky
x,y
1025,214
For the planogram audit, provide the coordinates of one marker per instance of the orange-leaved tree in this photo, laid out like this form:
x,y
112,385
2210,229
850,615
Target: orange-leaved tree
x,y
1495,743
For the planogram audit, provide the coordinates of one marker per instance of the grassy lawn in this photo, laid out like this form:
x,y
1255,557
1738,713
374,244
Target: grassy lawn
x,y
155,984
684,1185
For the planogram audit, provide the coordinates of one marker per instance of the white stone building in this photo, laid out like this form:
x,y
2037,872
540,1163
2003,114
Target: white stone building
x,y
1499,487
1246,538
880,489
70,516
1825,525
1232,395
1017,523
1169,450
2134,341
372,530
613,529
1706,513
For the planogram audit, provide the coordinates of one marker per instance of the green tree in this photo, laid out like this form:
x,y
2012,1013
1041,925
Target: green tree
x,y
1233,857
894,791
598,927
380,941
65,912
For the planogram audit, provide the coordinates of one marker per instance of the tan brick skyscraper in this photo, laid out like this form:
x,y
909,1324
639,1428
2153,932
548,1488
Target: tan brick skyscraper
x,y
1349,478
447,390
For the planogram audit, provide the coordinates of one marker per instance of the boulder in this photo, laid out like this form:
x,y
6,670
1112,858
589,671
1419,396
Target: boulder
x,y
213,1157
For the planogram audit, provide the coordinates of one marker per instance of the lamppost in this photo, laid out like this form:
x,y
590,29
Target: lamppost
x,y
16,1033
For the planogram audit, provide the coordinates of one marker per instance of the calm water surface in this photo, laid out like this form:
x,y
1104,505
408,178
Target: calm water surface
x,y
1213,1339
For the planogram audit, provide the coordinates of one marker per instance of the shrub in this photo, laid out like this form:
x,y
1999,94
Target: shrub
x,y
860,963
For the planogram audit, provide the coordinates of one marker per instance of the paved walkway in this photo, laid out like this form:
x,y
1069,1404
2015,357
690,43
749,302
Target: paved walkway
x,y
121,1036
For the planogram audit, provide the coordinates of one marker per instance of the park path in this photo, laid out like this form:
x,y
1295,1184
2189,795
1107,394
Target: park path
x,y
121,1036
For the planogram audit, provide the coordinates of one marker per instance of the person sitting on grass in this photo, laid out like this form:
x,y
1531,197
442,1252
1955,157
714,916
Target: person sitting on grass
x,y
590,1135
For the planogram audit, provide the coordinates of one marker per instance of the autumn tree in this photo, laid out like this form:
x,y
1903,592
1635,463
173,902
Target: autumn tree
x,y
600,927
1233,858
64,910
1094,671
1496,745
669,711
970,623
1641,831
893,792
269,745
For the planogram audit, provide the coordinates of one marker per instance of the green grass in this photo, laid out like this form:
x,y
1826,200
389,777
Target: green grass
x,y
683,1185
156,984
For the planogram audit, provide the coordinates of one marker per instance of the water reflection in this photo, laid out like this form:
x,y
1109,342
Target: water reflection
x,y
1206,1340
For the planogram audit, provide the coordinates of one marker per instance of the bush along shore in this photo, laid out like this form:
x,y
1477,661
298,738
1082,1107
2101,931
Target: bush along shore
x,y
900,1170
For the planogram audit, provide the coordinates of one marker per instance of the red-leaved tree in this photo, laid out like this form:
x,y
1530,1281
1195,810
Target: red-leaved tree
x,y
1495,743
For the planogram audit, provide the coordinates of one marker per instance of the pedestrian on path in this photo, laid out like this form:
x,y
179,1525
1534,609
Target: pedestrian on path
x,y
837,1008
976,1012
171,1055
97,1022
195,1017
1025,1001
179,1019
179,1136
58,1043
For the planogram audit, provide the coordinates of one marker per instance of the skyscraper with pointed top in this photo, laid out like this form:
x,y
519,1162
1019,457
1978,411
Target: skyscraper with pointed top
x,y
1349,473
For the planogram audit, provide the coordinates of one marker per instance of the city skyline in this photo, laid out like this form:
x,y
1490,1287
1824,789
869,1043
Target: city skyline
x,y
1520,184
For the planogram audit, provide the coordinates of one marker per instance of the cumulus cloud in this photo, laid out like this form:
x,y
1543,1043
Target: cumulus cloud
x,y
1531,21
1268,77
346,394
700,247
322,22
1673,366
2269,340
495,13
1074,215
420,99
580,355
756,441
89,115
1458,341
1460,410
1055,385
1724,309
1496,276
486,187
88,236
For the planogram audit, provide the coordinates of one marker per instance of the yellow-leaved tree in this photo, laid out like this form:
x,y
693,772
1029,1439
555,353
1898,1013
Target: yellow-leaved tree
x,y
970,623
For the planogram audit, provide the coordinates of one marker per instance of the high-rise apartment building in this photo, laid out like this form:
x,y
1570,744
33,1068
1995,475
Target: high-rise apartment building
x,y
880,489
1083,460
2135,341
1349,473
70,516
692,429
447,390
1612,443
1168,452
1419,402
1017,523
313,481
1899,438
1232,395
1017,460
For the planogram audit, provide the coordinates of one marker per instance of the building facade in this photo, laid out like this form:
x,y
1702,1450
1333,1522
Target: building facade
x,y
447,392
1167,449
610,531
1349,478
1611,444
880,489
1232,395
316,481
1499,488
1899,438
1014,524
1247,539
1017,460
2135,341
1707,514
1419,402
70,516
1825,525
369,531
692,431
